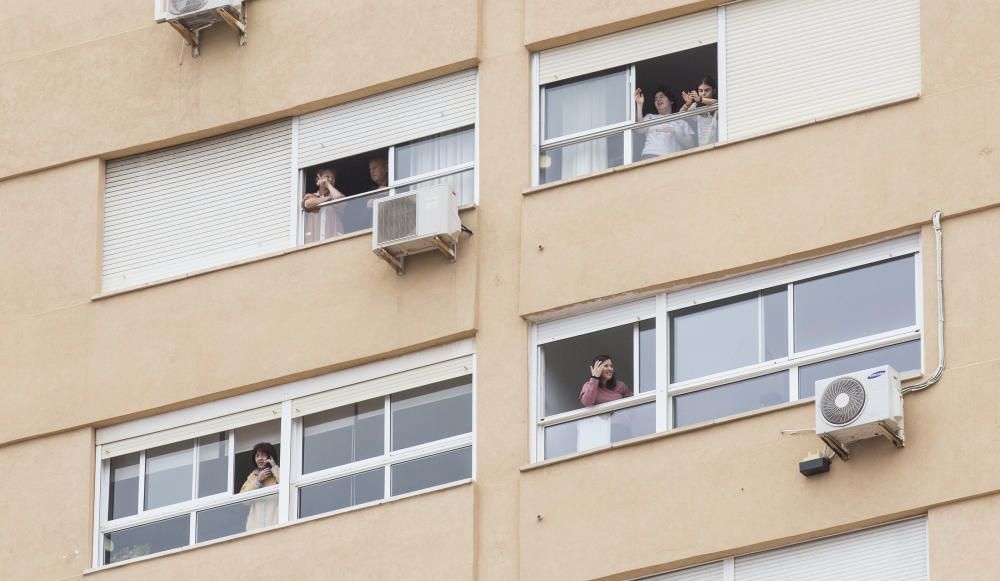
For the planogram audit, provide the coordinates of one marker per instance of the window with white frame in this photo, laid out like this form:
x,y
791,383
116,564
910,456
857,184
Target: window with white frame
x,y
761,56
445,158
365,442
729,347
237,196
391,143
642,105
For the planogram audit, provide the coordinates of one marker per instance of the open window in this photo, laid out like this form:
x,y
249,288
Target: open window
x,y
730,347
383,145
361,436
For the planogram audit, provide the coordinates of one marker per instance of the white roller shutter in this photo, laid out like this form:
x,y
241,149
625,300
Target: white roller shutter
x,y
197,205
596,320
628,46
383,386
181,433
789,62
895,552
390,118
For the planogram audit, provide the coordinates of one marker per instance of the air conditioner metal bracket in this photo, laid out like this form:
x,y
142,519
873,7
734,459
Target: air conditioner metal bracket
x,y
397,263
190,28
450,250
836,446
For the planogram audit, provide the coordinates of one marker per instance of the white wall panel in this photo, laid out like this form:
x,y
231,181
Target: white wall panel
x,y
628,46
894,552
789,62
387,119
195,206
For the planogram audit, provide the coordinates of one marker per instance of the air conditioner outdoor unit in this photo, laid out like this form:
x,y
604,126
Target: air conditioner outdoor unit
x,y
417,221
190,17
857,406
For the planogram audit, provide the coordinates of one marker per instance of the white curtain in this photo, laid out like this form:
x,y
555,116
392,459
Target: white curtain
x,y
437,153
580,106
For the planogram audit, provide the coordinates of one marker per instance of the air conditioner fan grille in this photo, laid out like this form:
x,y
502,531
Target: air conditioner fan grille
x,y
397,218
842,401
185,6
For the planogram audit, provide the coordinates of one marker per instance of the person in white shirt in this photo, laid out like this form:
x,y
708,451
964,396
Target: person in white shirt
x,y
665,138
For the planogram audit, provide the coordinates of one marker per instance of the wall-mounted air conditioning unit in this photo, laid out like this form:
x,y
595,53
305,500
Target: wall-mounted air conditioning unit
x,y
417,221
190,17
857,406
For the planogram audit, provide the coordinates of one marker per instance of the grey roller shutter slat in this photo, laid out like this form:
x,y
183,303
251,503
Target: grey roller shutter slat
x,y
388,119
627,47
895,552
707,572
789,62
196,206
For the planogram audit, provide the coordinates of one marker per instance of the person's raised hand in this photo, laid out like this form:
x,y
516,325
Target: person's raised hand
x,y
639,98
597,369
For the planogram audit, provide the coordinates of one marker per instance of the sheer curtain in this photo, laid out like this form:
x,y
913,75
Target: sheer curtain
x,y
580,106
437,153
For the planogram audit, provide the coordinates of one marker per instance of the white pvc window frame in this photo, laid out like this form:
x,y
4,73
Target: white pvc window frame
x,y
394,184
539,143
290,439
665,304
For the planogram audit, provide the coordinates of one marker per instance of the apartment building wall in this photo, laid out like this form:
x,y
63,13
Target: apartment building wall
x,y
81,84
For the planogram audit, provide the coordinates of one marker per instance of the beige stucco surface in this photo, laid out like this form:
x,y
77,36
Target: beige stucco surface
x,y
47,506
78,89
303,313
964,537
71,362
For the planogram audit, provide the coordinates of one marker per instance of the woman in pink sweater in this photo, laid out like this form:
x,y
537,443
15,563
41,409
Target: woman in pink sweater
x,y
602,386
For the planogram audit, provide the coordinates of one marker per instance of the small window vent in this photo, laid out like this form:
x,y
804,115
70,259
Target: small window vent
x,y
397,218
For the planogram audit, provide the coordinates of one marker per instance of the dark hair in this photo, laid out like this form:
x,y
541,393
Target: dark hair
x,y
266,448
324,168
670,97
611,383
707,80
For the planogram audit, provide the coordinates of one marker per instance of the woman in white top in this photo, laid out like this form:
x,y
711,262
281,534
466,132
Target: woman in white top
x,y
665,138
706,125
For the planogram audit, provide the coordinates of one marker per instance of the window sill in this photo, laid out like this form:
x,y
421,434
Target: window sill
x,y
194,547
239,263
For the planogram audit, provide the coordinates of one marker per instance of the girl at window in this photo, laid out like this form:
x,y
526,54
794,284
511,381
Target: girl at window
x,y
665,138
603,386
266,472
707,125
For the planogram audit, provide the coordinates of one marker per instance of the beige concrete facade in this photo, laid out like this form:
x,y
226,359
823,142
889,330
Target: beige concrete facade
x,y
81,83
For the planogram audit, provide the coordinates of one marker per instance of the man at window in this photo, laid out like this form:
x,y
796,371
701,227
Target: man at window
x,y
378,171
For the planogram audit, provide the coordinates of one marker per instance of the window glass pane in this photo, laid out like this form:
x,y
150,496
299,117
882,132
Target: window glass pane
x,y
775,323
567,364
586,104
233,519
169,474
903,357
712,338
647,355
431,471
733,398
579,159
728,334
461,183
431,413
435,153
123,491
343,435
596,431
855,303
147,539
341,493
213,464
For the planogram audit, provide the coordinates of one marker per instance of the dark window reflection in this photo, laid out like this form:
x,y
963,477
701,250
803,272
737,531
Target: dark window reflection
x,y
147,539
730,399
342,492
431,471
903,357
